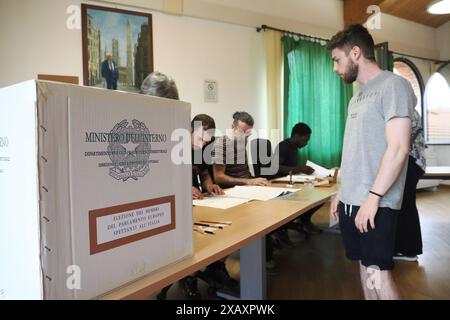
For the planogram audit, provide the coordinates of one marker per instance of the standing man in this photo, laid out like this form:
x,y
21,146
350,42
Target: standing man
x,y
110,71
373,169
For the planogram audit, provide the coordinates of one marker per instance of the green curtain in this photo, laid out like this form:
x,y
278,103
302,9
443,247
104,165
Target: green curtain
x,y
315,95
390,61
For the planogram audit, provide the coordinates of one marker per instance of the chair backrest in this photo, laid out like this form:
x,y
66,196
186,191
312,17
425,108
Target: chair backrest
x,y
260,155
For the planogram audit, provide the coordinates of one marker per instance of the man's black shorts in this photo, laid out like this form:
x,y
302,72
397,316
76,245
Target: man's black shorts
x,y
375,247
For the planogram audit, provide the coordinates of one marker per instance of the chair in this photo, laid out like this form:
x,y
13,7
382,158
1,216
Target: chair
x,y
260,155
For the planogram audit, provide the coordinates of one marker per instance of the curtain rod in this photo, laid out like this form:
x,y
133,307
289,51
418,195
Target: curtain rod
x,y
422,58
265,27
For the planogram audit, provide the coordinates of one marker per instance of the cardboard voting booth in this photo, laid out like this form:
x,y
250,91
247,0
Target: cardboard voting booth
x,y
90,198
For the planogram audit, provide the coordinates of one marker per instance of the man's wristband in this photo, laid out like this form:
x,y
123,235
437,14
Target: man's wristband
x,y
378,195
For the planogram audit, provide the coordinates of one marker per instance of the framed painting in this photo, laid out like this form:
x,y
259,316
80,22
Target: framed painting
x,y
117,47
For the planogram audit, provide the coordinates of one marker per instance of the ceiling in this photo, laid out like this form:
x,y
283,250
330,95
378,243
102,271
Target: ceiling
x,y
413,10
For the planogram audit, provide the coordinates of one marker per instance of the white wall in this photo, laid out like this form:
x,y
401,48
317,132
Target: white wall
x,y
443,40
407,37
34,39
192,50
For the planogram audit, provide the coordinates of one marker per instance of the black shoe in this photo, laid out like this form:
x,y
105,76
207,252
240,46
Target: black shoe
x,y
189,286
218,273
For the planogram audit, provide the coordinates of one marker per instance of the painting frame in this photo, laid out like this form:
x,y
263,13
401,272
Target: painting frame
x,y
94,53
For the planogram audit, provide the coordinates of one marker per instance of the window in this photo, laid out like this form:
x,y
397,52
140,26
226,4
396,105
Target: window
x,y
437,107
407,69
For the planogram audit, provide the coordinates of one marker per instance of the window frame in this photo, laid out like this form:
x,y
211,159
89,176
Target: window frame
x,y
419,78
425,123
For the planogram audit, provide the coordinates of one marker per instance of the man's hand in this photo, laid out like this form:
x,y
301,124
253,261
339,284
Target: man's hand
x,y
334,208
366,213
196,194
214,189
258,182
306,170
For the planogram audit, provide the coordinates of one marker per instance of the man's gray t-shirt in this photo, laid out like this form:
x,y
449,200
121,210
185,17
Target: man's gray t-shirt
x,y
385,97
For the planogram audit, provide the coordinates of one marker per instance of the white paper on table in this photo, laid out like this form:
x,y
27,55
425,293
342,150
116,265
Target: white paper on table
x,y
220,202
319,171
297,178
257,192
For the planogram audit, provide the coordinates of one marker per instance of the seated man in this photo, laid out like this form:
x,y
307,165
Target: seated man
x,y
201,180
287,151
229,157
230,164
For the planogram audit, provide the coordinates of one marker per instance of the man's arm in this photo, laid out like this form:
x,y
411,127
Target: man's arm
x,y
208,183
283,170
398,132
228,181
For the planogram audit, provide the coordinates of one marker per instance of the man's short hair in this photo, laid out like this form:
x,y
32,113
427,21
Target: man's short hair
x,y
301,129
159,85
354,35
243,117
206,120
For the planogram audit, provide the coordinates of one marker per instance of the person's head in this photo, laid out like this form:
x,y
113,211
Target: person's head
x,y
109,57
350,48
300,135
159,85
202,130
242,124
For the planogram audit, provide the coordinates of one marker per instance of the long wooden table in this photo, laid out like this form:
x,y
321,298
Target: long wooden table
x,y
440,173
251,222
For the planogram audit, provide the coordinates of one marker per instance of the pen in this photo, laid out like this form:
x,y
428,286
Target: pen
x,y
201,224
220,222
203,231
208,225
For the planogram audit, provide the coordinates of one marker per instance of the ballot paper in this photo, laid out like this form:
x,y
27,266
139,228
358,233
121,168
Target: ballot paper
x,y
242,194
219,202
319,171
257,192
299,178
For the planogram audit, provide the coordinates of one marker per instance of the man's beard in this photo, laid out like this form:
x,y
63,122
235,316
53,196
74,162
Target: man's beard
x,y
351,72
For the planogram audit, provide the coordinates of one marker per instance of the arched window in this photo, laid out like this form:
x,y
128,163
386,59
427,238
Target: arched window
x,y
437,107
408,70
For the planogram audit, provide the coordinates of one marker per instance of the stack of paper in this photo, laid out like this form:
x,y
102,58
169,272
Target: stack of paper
x,y
257,192
319,171
242,194
299,178
219,202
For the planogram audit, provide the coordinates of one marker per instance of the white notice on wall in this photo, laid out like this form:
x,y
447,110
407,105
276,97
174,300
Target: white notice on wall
x,y
211,91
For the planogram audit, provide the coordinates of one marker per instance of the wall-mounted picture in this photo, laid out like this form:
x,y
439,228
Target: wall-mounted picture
x,y
117,47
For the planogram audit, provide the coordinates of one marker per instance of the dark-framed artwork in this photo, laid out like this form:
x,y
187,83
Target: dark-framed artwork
x,y
117,47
